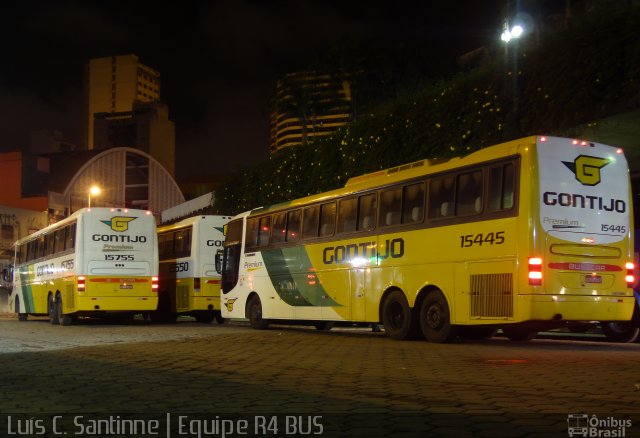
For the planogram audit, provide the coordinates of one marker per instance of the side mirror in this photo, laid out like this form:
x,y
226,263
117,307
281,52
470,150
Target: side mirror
x,y
219,255
5,275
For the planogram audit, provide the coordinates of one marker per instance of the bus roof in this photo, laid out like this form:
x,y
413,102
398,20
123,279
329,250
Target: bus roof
x,y
74,216
405,172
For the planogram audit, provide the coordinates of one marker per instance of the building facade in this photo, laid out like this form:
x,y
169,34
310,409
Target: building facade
x,y
113,84
308,105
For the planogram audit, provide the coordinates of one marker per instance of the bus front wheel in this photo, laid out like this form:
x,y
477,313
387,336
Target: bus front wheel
x,y
396,316
21,316
435,318
254,313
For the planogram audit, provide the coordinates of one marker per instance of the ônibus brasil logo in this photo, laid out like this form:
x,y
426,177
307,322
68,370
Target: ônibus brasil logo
x,y
119,223
587,169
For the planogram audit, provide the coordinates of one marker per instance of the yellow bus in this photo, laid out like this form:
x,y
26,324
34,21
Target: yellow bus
x,y
97,262
524,236
189,282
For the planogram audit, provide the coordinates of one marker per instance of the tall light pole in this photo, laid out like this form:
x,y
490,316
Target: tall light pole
x,y
95,191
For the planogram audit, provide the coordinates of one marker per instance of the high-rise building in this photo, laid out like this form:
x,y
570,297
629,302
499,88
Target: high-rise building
x,y
124,109
307,105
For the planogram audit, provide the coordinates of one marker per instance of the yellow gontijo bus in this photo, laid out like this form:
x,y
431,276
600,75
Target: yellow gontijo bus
x,y
189,282
527,235
97,261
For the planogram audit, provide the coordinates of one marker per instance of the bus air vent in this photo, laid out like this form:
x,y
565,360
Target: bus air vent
x,y
182,297
491,295
70,296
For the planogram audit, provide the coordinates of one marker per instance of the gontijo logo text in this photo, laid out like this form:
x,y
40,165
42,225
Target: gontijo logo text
x,y
119,224
587,169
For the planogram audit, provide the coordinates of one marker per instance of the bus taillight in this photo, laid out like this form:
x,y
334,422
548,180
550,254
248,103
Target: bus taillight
x,y
535,271
630,277
196,284
81,284
154,284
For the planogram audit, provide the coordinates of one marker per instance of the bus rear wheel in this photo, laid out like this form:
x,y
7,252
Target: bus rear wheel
x,y
254,313
477,333
435,319
61,317
396,316
620,331
519,334
53,310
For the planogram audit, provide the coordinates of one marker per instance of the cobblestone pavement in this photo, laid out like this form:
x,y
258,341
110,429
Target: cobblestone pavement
x,y
347,382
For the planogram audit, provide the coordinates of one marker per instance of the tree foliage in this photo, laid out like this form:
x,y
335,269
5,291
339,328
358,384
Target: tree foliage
x,y
572,77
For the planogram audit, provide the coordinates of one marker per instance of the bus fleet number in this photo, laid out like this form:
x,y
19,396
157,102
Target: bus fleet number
x,y
480,239
179,267
119,257
613,228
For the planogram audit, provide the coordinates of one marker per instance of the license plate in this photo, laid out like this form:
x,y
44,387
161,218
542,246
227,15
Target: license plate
x,y
593,279
126,286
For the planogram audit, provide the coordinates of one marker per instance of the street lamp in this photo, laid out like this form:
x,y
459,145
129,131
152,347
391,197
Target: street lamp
x,y
509,34
95,191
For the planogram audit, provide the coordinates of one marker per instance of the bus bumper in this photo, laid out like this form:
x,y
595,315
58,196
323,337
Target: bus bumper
x,y
577,308
124,304
203,303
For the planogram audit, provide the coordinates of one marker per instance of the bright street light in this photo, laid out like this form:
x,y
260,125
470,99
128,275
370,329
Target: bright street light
x,y
95,191
508,34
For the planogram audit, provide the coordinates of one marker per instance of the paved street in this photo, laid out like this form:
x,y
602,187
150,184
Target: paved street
x,y
347,382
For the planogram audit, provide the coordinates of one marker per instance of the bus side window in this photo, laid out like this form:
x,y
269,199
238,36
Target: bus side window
x,y
469,193
501,187
21,253
367,212
347,215
310,222
293,226
50,242
59,241
327,219
264,231
71,237
31,250
252,233
441,196
42,247
165,245
413,200
390,206
279,228
182,243
509,184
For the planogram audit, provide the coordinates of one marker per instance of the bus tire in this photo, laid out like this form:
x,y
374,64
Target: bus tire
x,y
21,316
205,318
620,331
435,319
62,318
53,310
219,318
397,316
254,314
324,326
476,333
519,334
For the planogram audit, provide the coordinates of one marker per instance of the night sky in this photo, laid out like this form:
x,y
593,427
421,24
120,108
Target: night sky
x,y
218,60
